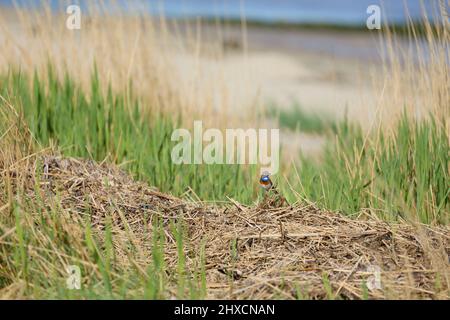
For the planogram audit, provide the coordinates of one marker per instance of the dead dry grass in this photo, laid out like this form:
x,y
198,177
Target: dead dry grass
x,y
168,64
250,252
415,77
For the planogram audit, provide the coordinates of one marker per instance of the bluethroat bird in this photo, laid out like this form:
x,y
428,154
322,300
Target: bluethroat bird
x,y
265,181
272,198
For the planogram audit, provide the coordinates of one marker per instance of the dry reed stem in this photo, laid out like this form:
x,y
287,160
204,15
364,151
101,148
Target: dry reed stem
x,y
169,65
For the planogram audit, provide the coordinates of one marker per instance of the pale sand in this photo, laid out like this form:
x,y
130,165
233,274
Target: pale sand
x,y
274,70
323,71
317,83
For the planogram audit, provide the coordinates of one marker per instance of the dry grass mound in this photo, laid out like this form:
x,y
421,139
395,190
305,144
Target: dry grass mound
x,y
254,252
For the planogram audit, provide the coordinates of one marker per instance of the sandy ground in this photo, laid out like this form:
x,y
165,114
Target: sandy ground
x,y
322,71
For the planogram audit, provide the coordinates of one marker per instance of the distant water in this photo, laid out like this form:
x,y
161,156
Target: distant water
x,y
341,12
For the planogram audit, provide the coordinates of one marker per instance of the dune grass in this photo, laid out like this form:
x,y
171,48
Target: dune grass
x,y
403,174
36,249
116,128
399,170
398,174
159,57
39,239
131,242
296,118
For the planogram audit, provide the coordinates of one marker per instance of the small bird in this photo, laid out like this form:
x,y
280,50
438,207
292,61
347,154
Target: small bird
x,y
272,198
265,181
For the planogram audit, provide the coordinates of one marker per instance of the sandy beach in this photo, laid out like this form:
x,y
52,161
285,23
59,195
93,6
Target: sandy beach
x,y
324,72
321,70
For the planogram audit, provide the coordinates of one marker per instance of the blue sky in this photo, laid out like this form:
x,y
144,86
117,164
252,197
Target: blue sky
x,y
311,11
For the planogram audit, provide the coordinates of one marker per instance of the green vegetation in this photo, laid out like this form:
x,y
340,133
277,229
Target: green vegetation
x,y
296,118
404,174
421,28
42,245
118,128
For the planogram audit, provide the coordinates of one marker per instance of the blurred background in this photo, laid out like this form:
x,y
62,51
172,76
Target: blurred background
x,y
318,55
